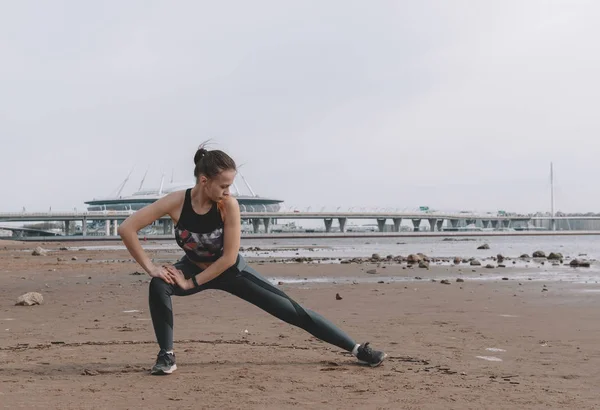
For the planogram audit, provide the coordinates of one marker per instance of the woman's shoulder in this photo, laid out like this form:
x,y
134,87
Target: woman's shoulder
x,y
228,206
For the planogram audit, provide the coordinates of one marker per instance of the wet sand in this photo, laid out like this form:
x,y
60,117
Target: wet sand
x,y
497,344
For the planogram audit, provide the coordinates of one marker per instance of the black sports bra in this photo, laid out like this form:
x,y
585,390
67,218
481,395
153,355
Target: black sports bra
x,y
200,236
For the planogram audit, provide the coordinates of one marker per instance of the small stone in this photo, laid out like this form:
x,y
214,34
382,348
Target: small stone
x,y
475,262
460,280
457,260
423,264
445,281
372,271
504,278
30,299
74,258
484,246
539,254
338,297
489,266
39,251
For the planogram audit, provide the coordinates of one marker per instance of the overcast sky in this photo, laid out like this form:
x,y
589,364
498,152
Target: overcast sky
x,y
450,104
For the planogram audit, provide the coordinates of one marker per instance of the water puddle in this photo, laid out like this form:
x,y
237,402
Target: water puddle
x,y
494,349
131,311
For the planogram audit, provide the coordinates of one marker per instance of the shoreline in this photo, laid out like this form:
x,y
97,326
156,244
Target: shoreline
x,y
317,235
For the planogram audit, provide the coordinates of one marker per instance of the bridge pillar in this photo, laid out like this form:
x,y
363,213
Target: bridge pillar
x,y
553,224
328,223
256,224
67,226
107,227
342,222
494,223
486,223
115,227
471,221
397,223
381,224
440,224
432,222
454,223
506,223
84,226
416,224
166,226
267,222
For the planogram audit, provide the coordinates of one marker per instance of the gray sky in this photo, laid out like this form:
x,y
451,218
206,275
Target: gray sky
x,y
450,104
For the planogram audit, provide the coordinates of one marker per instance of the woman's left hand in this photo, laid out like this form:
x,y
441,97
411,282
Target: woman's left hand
x,y
180,280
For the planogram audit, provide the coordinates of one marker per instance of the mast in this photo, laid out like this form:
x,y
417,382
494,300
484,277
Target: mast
x,y
553,222
162,180
123,183
247,184
143,179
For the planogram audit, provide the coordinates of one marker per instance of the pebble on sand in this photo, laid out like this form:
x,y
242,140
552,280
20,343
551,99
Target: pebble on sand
x,y
29,299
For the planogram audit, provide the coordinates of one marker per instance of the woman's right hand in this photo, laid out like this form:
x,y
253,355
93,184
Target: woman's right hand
x,y
162,273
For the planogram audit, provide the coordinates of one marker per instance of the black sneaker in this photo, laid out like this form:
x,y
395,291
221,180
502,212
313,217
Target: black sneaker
x,y
165,363
369,356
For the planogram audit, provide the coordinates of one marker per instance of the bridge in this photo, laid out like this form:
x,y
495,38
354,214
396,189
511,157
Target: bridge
x,y
20,232
435,219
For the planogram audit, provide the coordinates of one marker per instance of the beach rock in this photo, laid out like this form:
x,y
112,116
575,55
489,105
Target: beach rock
x,y
460,280
376,257
345,262
500,258
457,260
338,297
504,278
412,258
501,266
539,254
445,281
372,271
579,263
39,251
524,256
484,246
29,299
60,259
389,257
475,262
555,256
489,266
63,249
424,265
74,258
418,278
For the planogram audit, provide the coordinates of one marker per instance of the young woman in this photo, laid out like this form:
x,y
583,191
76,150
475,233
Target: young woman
x,y
208,229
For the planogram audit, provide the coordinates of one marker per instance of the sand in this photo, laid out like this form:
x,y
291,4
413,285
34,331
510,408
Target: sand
x,y
497,344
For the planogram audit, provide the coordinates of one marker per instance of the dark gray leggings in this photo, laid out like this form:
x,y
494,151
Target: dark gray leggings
x,y
242,281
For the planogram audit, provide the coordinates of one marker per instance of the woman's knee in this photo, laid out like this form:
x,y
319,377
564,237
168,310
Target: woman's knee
x,y
159,287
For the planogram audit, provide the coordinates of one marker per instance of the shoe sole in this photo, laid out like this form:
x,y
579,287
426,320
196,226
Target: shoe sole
x,y
375,364
164,372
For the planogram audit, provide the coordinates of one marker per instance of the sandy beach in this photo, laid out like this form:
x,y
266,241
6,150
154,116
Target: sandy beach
x,y
476,344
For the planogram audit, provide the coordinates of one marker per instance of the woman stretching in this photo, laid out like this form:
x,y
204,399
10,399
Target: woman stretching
x,y
208,229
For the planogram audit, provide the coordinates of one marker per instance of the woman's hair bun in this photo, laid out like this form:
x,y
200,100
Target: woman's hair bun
x,y
199,155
